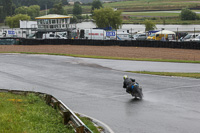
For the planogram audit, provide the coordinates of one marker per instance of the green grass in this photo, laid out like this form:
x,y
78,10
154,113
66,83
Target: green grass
x,y
144,5
69,8
160,20
114,58
177,74
87,121
29,114
138,10
152,14
85,9
159,17
141,5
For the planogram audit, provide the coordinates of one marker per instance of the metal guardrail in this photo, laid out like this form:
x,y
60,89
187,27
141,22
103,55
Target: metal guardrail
x,y
69,117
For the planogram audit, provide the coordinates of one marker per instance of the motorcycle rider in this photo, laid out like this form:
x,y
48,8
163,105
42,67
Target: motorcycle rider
x,y
129,84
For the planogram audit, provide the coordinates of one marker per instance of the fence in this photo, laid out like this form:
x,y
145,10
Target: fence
x,y
130,43
8,41
68,114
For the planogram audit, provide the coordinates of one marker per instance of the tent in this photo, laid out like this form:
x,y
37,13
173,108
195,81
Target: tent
x,y
166,35
166,32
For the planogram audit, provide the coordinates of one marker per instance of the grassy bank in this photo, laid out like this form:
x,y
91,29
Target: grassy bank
x,y
161,20
146,5
30,114
143,5
137,11
160,17
90,125
177,74
114,58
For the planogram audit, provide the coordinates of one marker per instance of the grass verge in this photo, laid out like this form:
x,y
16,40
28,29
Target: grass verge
x,y
177,74
113,58
29,114
90,125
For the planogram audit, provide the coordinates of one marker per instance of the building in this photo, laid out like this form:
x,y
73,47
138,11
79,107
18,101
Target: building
x,y
25,24
53,22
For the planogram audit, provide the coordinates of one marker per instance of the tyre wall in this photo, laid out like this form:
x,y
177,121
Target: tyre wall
x,y
130,43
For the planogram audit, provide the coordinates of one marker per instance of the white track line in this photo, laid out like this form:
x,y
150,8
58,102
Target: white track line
x,y
108,129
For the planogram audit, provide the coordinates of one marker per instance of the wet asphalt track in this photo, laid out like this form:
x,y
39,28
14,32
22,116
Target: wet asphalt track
x,y
92,87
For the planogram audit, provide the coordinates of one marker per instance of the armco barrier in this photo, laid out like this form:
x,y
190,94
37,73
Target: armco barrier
x,y
67,113
129,43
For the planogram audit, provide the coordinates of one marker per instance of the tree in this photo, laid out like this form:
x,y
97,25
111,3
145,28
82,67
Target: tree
x,y
42,3
13,22
32,11
6,9
21,10
96,4
64,2
73,20
107,17
58,9
149,25
187,14
77,9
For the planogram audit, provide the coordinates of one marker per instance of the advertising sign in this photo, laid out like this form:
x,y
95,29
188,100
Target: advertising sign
x,y
110,33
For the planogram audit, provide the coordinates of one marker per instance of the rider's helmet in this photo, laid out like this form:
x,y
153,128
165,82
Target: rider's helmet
x,y
125,77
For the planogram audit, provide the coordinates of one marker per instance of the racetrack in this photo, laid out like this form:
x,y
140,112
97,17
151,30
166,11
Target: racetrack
x,y
94,88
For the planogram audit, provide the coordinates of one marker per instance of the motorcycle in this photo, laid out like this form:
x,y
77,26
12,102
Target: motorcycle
x,y
137,93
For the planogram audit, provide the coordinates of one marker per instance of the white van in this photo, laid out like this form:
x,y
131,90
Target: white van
x,y
94,34
52,36
189,37
123,35
97,34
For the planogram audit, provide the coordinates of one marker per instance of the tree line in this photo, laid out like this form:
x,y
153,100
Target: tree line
x,y
6,9
104,17
9,7
42,3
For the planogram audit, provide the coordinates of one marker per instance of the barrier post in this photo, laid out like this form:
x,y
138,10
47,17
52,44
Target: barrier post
x,y
66,116
80,129
48,99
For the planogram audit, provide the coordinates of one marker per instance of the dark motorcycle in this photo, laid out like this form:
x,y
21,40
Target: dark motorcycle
x,y
137,91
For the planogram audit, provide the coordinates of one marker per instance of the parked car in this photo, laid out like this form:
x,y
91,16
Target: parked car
x,y
189,37
197,38
180,35
140,36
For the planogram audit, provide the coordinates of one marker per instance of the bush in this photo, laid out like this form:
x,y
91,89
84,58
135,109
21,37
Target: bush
x,y
187,14
13,22
149,25
73,20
